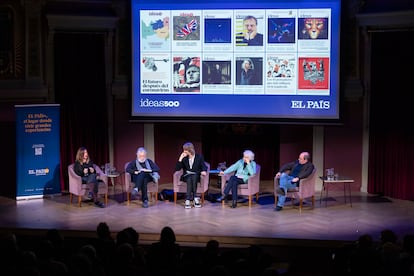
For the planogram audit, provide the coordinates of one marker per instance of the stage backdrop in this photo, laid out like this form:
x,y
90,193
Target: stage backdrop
x,y
38,150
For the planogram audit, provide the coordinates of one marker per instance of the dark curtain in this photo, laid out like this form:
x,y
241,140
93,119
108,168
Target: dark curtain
x,y
391,146
226,143
80,90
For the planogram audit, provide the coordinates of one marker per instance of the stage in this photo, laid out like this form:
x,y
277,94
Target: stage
x,y
337,222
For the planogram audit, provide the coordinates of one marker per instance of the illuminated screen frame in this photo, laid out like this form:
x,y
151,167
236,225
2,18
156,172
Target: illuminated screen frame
x,y
150,103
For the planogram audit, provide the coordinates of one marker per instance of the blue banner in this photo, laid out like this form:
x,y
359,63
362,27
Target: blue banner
x,y
37,150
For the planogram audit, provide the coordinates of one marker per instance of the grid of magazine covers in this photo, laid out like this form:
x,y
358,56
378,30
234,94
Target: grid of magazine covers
x,y
277,51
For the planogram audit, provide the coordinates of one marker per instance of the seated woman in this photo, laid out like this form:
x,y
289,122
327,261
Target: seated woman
x,y
243,168
85,169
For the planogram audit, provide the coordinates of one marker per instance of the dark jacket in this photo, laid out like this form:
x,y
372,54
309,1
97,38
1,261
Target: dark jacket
x,y
78,167
132,166
198,165
306,170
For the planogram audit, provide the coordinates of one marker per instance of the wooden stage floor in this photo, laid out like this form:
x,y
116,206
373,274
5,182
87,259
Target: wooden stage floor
x,y
241,226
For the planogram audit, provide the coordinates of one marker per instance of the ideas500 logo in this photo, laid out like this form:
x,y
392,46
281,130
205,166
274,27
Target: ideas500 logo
x,y
158,103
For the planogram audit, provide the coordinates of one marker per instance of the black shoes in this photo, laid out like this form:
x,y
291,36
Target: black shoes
x,y
278,208
234,204
145,204
99,204
280,191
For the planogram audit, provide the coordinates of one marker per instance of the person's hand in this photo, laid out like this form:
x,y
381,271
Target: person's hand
x,y
296,179
183,154
221,173
246,160
278,175
136,172
91,170
250,35
85,170
203,173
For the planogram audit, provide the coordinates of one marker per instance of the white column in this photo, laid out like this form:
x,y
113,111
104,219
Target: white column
x,y
366,98
318,153
149,140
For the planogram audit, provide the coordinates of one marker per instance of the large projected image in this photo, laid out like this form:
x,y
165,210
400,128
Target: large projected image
x,y
265,61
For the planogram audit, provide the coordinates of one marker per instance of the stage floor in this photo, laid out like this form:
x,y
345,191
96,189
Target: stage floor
x,y
241,226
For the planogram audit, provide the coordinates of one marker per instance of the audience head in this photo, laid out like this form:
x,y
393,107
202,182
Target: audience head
x,y
365,241
102,230
133,235
167,235
388,236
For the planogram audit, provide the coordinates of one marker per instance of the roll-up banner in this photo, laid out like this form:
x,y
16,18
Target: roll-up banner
x,y
37,150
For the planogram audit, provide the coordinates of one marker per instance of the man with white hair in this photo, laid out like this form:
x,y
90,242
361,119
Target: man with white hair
x,y
143,170
243,168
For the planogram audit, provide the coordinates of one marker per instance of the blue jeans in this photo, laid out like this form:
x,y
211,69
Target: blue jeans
x,y
92,183
285,183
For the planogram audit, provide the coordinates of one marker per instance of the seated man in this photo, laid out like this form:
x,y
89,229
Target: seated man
x,y
290,174
143,170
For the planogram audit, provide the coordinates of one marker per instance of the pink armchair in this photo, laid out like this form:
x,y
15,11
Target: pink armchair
x,y
306,189
78,189
249,189
181,187
129,185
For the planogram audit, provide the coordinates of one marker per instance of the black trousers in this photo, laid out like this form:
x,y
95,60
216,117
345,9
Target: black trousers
x,y
191,180
232,184
141,182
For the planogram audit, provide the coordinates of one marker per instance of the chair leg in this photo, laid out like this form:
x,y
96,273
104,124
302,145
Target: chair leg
x,y
175,197
128,197
300,204
79,201
70,198
250,200
106,199
202,198
313,201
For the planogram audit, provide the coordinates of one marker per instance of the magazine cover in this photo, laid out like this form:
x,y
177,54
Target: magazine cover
x,y
155,31
313,73
186,74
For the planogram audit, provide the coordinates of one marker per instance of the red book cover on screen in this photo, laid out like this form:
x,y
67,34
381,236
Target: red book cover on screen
x,y
313,73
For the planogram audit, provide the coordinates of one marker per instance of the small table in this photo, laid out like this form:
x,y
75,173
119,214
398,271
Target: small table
x,y
112,176
346,181
216,172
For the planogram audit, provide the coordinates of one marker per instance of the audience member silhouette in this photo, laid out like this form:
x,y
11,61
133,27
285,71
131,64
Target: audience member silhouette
x,y
164,256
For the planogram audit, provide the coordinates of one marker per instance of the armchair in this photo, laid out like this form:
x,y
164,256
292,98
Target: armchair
x,y
78,189
249,189
152,187
306,189
181,187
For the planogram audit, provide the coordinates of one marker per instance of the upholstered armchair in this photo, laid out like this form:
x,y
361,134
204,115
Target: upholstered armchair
x,y
152,187
78,189
305,190
249,189
181,187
